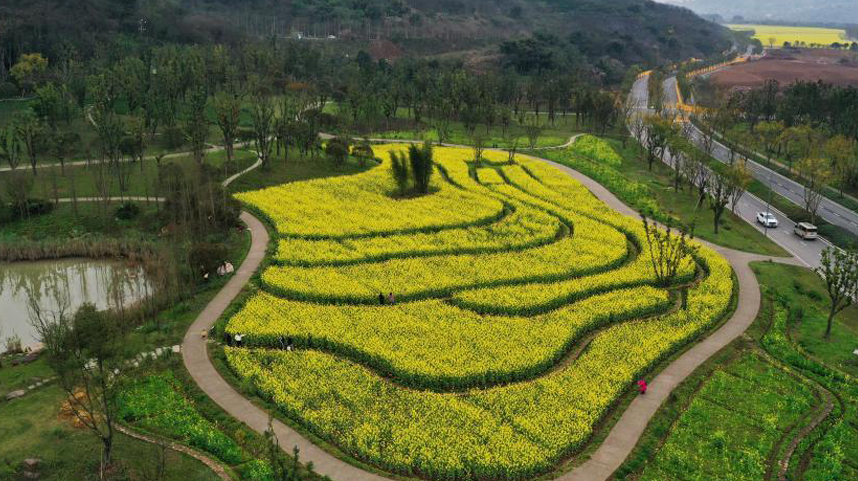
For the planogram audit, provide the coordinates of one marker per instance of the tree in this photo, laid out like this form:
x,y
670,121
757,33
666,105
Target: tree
x,y
839,270
844,162
422,166
61,145
337,149
29,70
668,250
478,141
31,132
49,104
741,178
195,124
658,132
262,117
283,467
18,186
533,130
722,189
111,134
10,147
227,107
363,152
399,171
814,173
85,353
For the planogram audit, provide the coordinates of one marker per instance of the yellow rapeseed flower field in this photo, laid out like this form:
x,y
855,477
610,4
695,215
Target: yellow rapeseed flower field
x,y
524,308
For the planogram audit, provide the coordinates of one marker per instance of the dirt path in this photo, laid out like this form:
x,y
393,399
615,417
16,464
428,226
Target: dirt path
x,y
607,458
215,466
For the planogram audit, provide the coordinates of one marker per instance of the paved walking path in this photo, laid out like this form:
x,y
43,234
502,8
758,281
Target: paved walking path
x,y
610,454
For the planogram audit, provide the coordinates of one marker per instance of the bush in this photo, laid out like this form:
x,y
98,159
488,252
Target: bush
x,y
173,137
8,90
127,211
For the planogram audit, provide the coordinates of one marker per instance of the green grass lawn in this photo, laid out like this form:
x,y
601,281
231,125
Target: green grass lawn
x,y
33,428
85,181
91,219
653,191
293,170
802,287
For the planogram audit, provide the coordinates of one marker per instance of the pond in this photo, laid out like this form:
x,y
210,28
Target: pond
x,y
63,284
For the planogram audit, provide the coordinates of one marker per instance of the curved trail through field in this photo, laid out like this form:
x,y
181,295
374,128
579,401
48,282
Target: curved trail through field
x,y
604,461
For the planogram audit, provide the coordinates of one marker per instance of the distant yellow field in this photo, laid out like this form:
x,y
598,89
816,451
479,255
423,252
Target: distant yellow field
x,y
781,34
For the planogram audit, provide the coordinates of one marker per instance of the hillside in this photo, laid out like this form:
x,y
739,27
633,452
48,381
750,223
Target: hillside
x,y
604,37
805,11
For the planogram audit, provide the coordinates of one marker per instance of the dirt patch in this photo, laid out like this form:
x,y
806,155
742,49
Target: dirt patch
x,y
788,66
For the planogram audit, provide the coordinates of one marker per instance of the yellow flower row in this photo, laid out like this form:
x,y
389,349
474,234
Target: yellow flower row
x,y
594,248
433,345
508,432
530,299
363,204
522,227
489,176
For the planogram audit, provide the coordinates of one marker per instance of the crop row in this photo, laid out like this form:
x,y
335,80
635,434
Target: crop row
x,y
522,227
511,431
434,276
433,345
361,205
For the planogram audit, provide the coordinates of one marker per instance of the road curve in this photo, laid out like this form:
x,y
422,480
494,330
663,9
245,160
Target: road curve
x,y
610,454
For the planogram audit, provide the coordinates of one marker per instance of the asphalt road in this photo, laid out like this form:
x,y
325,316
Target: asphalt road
x,y
831,211
808,252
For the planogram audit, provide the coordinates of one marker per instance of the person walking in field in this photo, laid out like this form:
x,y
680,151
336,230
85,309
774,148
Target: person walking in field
x,y
381,298
391,299
642,386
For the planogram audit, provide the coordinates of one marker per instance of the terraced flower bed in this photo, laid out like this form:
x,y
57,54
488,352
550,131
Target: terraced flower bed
x,y
525,308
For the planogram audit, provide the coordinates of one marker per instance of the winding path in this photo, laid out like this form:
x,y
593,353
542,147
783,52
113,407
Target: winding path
x,y
604,461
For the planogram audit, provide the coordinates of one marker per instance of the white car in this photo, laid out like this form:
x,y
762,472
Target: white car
x,y
767,219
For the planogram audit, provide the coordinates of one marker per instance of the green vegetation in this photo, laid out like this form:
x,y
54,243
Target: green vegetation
x,y
787,337
735,420
652,193
34,426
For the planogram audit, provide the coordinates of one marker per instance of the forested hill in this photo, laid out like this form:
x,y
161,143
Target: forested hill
x,y
605,35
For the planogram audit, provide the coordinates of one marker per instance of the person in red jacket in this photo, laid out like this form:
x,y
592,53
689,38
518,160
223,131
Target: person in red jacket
x,y
642,386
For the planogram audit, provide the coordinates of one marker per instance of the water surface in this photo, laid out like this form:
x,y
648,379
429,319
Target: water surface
x,y
63,285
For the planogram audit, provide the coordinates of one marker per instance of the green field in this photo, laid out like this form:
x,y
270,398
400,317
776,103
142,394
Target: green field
x,y
781,34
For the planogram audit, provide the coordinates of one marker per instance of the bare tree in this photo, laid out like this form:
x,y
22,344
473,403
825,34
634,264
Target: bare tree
x,y
533,130
668,249
839,270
